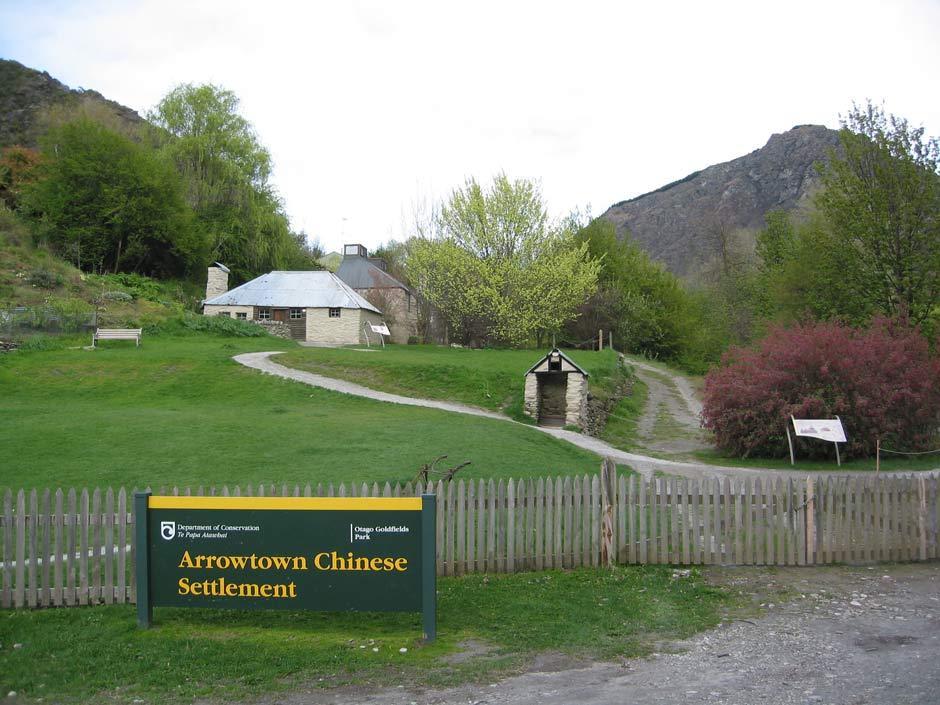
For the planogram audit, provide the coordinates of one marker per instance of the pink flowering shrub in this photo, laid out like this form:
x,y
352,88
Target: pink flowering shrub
x,y
882,382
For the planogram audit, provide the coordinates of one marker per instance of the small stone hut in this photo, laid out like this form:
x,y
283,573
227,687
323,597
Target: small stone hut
x,y
556,391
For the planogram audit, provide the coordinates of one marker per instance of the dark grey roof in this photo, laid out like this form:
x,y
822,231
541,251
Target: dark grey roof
x,y
294,290
360,273
564,357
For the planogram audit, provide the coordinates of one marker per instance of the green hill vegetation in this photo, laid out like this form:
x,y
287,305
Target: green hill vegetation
x,y
33,277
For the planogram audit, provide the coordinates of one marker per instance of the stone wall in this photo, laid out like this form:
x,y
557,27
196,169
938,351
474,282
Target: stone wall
x,y
333,331
531,404
597,410
399,310
278,329
576,398
249,311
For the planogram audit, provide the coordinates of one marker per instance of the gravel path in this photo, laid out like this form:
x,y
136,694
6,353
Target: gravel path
x,y
673,396
849,636
643,464
693,406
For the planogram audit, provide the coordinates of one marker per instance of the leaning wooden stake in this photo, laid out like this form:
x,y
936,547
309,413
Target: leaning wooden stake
x,y
608,479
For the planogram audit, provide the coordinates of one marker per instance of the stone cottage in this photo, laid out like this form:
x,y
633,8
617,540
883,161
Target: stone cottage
x,y
369,278
317,307
556,391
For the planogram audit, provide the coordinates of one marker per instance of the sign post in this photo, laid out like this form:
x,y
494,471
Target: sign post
x,y
142,568
316,553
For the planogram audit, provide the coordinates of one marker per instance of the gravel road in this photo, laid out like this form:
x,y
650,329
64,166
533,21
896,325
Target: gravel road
x,y
846,636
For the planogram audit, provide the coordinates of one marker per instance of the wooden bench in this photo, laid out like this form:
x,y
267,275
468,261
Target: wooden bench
x,y
117,334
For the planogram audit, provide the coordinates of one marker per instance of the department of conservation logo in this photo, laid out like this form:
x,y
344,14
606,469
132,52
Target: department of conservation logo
x,y
167,529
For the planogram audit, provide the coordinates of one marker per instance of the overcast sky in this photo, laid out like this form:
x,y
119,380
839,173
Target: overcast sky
x,y
370,107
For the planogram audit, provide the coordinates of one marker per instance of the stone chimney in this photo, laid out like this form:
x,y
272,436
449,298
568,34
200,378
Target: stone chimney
x,y
217,281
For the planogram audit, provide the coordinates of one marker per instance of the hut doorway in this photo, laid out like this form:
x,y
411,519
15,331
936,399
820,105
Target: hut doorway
x,y
553,387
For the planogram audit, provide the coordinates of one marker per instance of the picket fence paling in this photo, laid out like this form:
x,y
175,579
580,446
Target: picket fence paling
x,y
76,547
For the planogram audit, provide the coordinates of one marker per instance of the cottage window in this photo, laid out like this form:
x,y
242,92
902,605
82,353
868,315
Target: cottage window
x,y
264,314
226,314
241,315
334,312
297,313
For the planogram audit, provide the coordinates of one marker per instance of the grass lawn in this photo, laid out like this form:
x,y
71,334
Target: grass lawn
x,y
490,379
97,654
179,411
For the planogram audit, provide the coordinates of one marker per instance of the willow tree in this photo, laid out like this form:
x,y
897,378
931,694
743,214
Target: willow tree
x,y
111,204
227,170
498,269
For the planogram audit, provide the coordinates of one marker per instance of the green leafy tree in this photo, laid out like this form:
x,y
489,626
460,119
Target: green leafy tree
x,y
498,270
880,198
111,204
643,304
226,170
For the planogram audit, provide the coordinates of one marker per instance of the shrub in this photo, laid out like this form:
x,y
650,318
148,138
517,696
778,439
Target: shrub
x,y
193,324
44,279
117,296
881,381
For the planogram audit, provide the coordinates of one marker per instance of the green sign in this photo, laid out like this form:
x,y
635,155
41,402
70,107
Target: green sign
x,y
316,553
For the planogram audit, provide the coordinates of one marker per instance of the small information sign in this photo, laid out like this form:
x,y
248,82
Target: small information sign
x,y
316,553
824,429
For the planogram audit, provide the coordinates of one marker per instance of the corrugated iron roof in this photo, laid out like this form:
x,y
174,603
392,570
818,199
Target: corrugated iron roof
x,y
360,273
294,290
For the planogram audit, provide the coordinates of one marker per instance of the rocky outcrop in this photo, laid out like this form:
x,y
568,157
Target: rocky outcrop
x,y
680,223
26,95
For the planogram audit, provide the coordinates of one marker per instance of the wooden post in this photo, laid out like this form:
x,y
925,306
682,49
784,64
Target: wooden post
x,y
810,511
790,442
838,459
877,455
922,517
600,338
608,478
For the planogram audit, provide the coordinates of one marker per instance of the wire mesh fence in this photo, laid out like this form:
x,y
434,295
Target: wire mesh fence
x,y
21,322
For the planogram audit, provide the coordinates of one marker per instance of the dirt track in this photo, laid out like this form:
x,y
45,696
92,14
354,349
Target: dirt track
x,y
847,636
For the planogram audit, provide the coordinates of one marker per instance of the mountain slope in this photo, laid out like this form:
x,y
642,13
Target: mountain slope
x,y
27,96
679,224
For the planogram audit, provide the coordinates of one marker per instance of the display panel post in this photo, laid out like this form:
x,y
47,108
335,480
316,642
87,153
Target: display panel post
x,y
429,565
142,569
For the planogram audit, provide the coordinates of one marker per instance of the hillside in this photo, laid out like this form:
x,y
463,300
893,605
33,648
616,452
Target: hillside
x,y
32,277
679,223
27,96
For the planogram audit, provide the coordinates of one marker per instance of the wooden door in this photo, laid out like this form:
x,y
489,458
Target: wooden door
x,y
280,314
552,406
